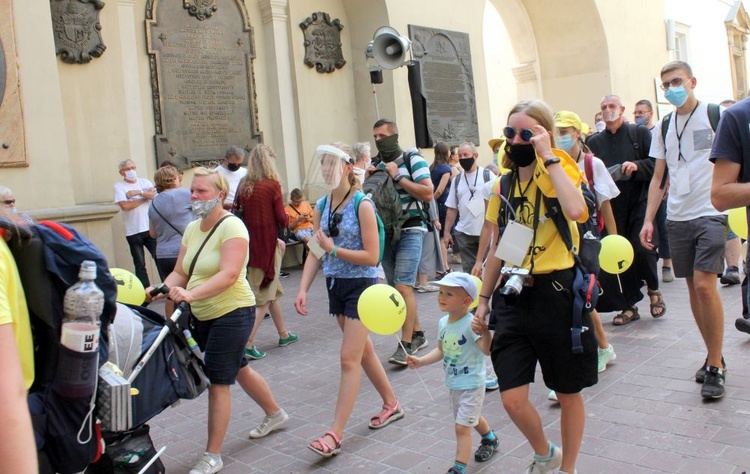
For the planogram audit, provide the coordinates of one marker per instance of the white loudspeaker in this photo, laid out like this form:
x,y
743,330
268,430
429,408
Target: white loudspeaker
x,y
389,48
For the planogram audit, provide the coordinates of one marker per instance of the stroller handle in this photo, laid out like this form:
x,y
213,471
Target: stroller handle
x,y
164,289
181,307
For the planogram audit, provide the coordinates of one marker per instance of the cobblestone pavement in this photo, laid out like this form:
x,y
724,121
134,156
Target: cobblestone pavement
x,y
645,415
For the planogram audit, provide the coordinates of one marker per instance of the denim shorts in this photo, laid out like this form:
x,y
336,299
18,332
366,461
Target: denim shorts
x,y
401,259
344,293
222,341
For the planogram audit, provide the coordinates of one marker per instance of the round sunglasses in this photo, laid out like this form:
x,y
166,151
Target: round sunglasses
x,y
511,132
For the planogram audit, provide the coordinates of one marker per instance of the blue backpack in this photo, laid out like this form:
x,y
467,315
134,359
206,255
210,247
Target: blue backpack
x,y
358,197
49,256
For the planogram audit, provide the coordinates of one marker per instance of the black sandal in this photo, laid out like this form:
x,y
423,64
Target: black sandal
x,y
622,318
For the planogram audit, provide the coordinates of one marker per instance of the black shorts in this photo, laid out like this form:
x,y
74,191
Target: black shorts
x,y
344,293
165,266
222,341
537,329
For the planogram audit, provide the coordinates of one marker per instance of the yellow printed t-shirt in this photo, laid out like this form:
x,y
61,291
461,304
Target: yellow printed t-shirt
x,y
236,296
303,208
548,249
13,310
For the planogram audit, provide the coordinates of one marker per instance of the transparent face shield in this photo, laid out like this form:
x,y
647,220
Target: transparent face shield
x,y
326,170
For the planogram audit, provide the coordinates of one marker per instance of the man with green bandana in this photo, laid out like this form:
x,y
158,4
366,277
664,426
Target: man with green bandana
x,y
401,257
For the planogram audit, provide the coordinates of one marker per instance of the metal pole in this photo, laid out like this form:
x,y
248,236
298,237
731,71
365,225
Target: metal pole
x,y
375,98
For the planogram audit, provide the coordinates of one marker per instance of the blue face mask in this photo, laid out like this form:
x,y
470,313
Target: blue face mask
x,y
565,143
641,121
676,96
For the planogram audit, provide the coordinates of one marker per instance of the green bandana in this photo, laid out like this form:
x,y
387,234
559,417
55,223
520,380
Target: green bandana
x,y
388,148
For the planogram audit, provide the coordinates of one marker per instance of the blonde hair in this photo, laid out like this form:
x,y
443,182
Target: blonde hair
x,y
260,165
538,111
217,179
166,178
351,177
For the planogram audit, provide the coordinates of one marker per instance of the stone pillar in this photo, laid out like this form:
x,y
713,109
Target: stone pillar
x,y
131,89
284,119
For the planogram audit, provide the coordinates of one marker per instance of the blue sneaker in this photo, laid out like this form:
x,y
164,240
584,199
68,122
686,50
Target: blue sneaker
x,y
491,383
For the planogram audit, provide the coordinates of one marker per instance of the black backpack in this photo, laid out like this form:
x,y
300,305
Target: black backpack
x,y
49,256
382,190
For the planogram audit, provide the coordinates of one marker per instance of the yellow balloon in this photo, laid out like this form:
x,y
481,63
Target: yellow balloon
x,y
382,309
616,254
475,303
738,221
129,288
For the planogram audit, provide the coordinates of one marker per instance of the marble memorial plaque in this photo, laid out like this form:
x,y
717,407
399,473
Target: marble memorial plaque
x,y
202,80
447,83
12,132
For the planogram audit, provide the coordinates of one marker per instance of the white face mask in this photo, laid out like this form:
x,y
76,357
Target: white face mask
x,y
600,126
131,175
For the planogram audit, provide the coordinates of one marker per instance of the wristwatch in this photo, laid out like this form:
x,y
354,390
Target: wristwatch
x,y
551,161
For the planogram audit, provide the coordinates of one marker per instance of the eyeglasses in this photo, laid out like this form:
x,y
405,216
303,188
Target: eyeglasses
x,y
511,132
333,226
9,202
676,82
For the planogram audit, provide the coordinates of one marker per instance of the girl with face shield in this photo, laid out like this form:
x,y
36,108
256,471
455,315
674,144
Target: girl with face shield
x,y
349,238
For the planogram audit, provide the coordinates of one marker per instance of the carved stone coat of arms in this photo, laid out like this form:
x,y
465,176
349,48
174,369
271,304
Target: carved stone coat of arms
x,y
77,30
323,42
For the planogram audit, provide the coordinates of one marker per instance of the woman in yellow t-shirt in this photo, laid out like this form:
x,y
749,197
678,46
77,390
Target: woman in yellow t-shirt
x,y
17,446
535,325
213,280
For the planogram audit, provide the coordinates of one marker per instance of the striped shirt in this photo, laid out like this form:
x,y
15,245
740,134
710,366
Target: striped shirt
x,y
420,170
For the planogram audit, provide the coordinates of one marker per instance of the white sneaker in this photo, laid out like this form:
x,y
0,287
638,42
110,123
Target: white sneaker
x,y
207,465
269,424
605,357
542,467
552,396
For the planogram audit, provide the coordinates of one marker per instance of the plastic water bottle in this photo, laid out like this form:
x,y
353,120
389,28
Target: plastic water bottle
x,y
78,362
191,342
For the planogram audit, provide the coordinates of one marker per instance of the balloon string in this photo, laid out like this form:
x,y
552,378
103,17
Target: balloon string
x,y
418,374
619,282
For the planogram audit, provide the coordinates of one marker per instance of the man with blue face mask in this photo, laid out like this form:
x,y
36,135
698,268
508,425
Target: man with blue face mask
x,y
681,144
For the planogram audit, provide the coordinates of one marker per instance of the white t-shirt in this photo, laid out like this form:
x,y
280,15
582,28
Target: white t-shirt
x,y
135,220
470,187
234,178
604,185
687,202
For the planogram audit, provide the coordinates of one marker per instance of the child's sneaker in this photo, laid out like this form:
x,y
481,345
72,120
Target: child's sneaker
x,y
207,464
269,424
552,396
486,449
491,383
548,464
605,357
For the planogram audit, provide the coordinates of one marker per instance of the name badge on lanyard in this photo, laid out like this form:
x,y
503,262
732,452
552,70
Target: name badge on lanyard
x,y
514,244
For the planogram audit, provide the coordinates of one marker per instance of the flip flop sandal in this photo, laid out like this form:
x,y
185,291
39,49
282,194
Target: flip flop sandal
x,y
622,319
326,450
657,305
389,414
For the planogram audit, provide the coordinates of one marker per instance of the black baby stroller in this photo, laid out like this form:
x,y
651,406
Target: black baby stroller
x,y
160,368
48,256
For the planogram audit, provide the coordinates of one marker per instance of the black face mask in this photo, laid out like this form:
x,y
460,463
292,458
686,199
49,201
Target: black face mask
x,y
388,148
466,163
521,155
233,166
